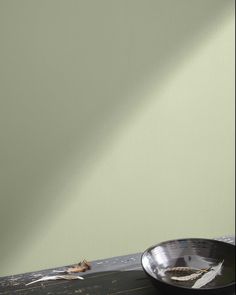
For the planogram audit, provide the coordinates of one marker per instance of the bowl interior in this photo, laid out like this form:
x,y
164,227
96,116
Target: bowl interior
x,y
159,261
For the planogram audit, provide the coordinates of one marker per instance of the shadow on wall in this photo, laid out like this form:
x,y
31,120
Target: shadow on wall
x,y
68,71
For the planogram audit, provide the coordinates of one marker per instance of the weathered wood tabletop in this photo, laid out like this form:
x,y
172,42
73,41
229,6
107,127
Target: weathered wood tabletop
x,y
113,276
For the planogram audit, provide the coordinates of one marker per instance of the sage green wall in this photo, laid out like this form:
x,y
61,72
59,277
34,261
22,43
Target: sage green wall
x,y
116,125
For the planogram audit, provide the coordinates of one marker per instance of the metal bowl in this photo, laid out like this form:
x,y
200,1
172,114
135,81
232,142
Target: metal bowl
x,y
162,261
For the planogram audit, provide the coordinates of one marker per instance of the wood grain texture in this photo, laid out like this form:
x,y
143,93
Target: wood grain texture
x,y
113,276
119,275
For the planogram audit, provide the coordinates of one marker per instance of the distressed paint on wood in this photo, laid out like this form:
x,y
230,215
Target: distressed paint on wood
x,y
113,276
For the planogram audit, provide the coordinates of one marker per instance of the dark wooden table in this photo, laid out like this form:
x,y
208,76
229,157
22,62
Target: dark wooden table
x,y
113,276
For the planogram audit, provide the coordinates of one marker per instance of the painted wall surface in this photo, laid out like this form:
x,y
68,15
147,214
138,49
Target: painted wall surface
x,y
116,127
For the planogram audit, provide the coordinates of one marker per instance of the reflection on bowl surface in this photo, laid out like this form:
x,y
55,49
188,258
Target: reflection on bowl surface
x,y
195,255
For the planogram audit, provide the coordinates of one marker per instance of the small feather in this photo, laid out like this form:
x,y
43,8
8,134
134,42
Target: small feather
x,y
182,269
57,277
209,276
191,277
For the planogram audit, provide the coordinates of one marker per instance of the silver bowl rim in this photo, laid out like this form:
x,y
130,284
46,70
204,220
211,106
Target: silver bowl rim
x,y
183,287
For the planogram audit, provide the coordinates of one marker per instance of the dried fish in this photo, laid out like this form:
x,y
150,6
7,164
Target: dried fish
x,y
209,276
57,277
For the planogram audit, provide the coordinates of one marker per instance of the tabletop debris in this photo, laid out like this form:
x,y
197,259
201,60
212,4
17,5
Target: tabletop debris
x,y
68,273
80,267
57,277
